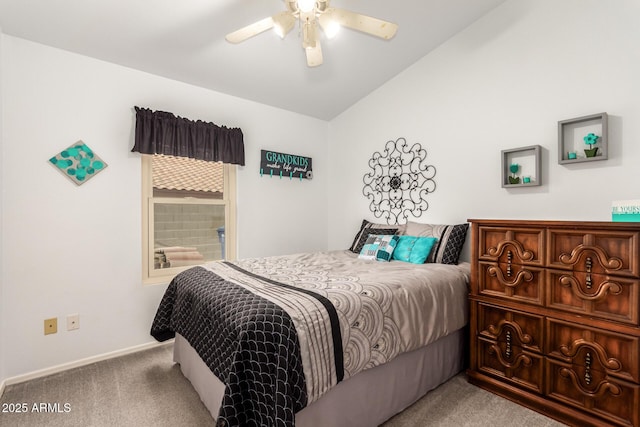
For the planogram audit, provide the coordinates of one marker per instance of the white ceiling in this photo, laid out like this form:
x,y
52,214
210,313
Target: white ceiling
x,y
184,40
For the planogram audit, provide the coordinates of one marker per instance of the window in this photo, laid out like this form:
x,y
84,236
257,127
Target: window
x,y
188,214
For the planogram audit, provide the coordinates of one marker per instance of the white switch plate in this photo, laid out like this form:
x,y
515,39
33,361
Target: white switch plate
x,y
73,322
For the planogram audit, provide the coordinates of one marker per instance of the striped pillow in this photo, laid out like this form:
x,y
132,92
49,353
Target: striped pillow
x,y
451,239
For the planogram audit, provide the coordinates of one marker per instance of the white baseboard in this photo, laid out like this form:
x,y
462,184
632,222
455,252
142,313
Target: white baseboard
x,y
75,364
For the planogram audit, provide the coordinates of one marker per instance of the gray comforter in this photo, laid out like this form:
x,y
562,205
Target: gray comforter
x,y
281,331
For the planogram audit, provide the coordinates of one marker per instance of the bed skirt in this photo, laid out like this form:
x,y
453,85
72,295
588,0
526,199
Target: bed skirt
x,y
367,399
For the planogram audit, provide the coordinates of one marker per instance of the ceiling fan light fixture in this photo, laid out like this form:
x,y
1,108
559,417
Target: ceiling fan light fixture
x,y
277,28
306,5
310,14
330,29
322,5
281,29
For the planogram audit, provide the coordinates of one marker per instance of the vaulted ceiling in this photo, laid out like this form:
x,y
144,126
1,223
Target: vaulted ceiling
x,y
184,40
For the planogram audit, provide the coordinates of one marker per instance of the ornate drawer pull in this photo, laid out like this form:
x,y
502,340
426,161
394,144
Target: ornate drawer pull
x,y
523,254
587,370
523,275
611,363
607,287
600,390
522,337
520,359
589,264
507,351
612,263
509,261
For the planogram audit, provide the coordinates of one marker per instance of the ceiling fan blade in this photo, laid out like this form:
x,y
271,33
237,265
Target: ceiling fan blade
x,y
366,24
283,21
250,30
314,55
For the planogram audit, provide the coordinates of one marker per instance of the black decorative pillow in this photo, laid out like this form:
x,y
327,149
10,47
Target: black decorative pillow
x,y
451,246
370,228
450,240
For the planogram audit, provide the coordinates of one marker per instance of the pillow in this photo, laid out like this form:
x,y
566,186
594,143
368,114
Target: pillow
x,y
379,247
370,228
413,249
450,240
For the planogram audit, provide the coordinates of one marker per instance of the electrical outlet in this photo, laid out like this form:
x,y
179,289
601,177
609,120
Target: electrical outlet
x,y
73,322
51,326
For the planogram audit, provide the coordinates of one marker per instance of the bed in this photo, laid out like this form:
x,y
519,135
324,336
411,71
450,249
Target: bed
x,y
315,339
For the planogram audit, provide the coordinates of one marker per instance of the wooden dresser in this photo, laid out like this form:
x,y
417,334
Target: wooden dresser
x,y
554,323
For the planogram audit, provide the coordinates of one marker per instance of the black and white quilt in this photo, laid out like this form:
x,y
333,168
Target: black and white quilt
x,y
279,332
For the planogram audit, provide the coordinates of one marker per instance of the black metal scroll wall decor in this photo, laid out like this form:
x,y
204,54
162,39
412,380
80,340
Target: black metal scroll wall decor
x,y
399,181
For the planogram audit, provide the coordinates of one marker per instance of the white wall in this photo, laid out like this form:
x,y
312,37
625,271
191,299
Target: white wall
x,y
504,83
70,249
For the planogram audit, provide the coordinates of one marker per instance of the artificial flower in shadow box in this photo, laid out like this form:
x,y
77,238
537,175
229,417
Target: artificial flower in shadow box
x,y
513,168
591,139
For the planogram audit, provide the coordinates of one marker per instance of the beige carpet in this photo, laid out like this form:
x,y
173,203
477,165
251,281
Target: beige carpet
x,y
147,389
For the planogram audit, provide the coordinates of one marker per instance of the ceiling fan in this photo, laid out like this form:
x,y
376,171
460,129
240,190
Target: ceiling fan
x,y
309,13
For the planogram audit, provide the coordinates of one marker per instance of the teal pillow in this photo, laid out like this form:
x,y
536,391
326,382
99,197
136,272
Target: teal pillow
x,y
379,247
413,249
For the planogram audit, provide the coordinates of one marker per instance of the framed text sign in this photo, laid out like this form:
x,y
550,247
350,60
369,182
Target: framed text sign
x,y
287,165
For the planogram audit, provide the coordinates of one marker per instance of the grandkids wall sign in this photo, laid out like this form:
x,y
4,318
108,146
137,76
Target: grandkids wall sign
x,y
285,165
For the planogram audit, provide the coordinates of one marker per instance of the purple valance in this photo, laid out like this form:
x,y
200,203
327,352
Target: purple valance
x,y
159,132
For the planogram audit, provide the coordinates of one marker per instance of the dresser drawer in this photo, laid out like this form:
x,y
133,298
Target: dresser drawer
x,y
607,297
602,252
516,282
610,398
512,245
519,329
605,351
512,364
